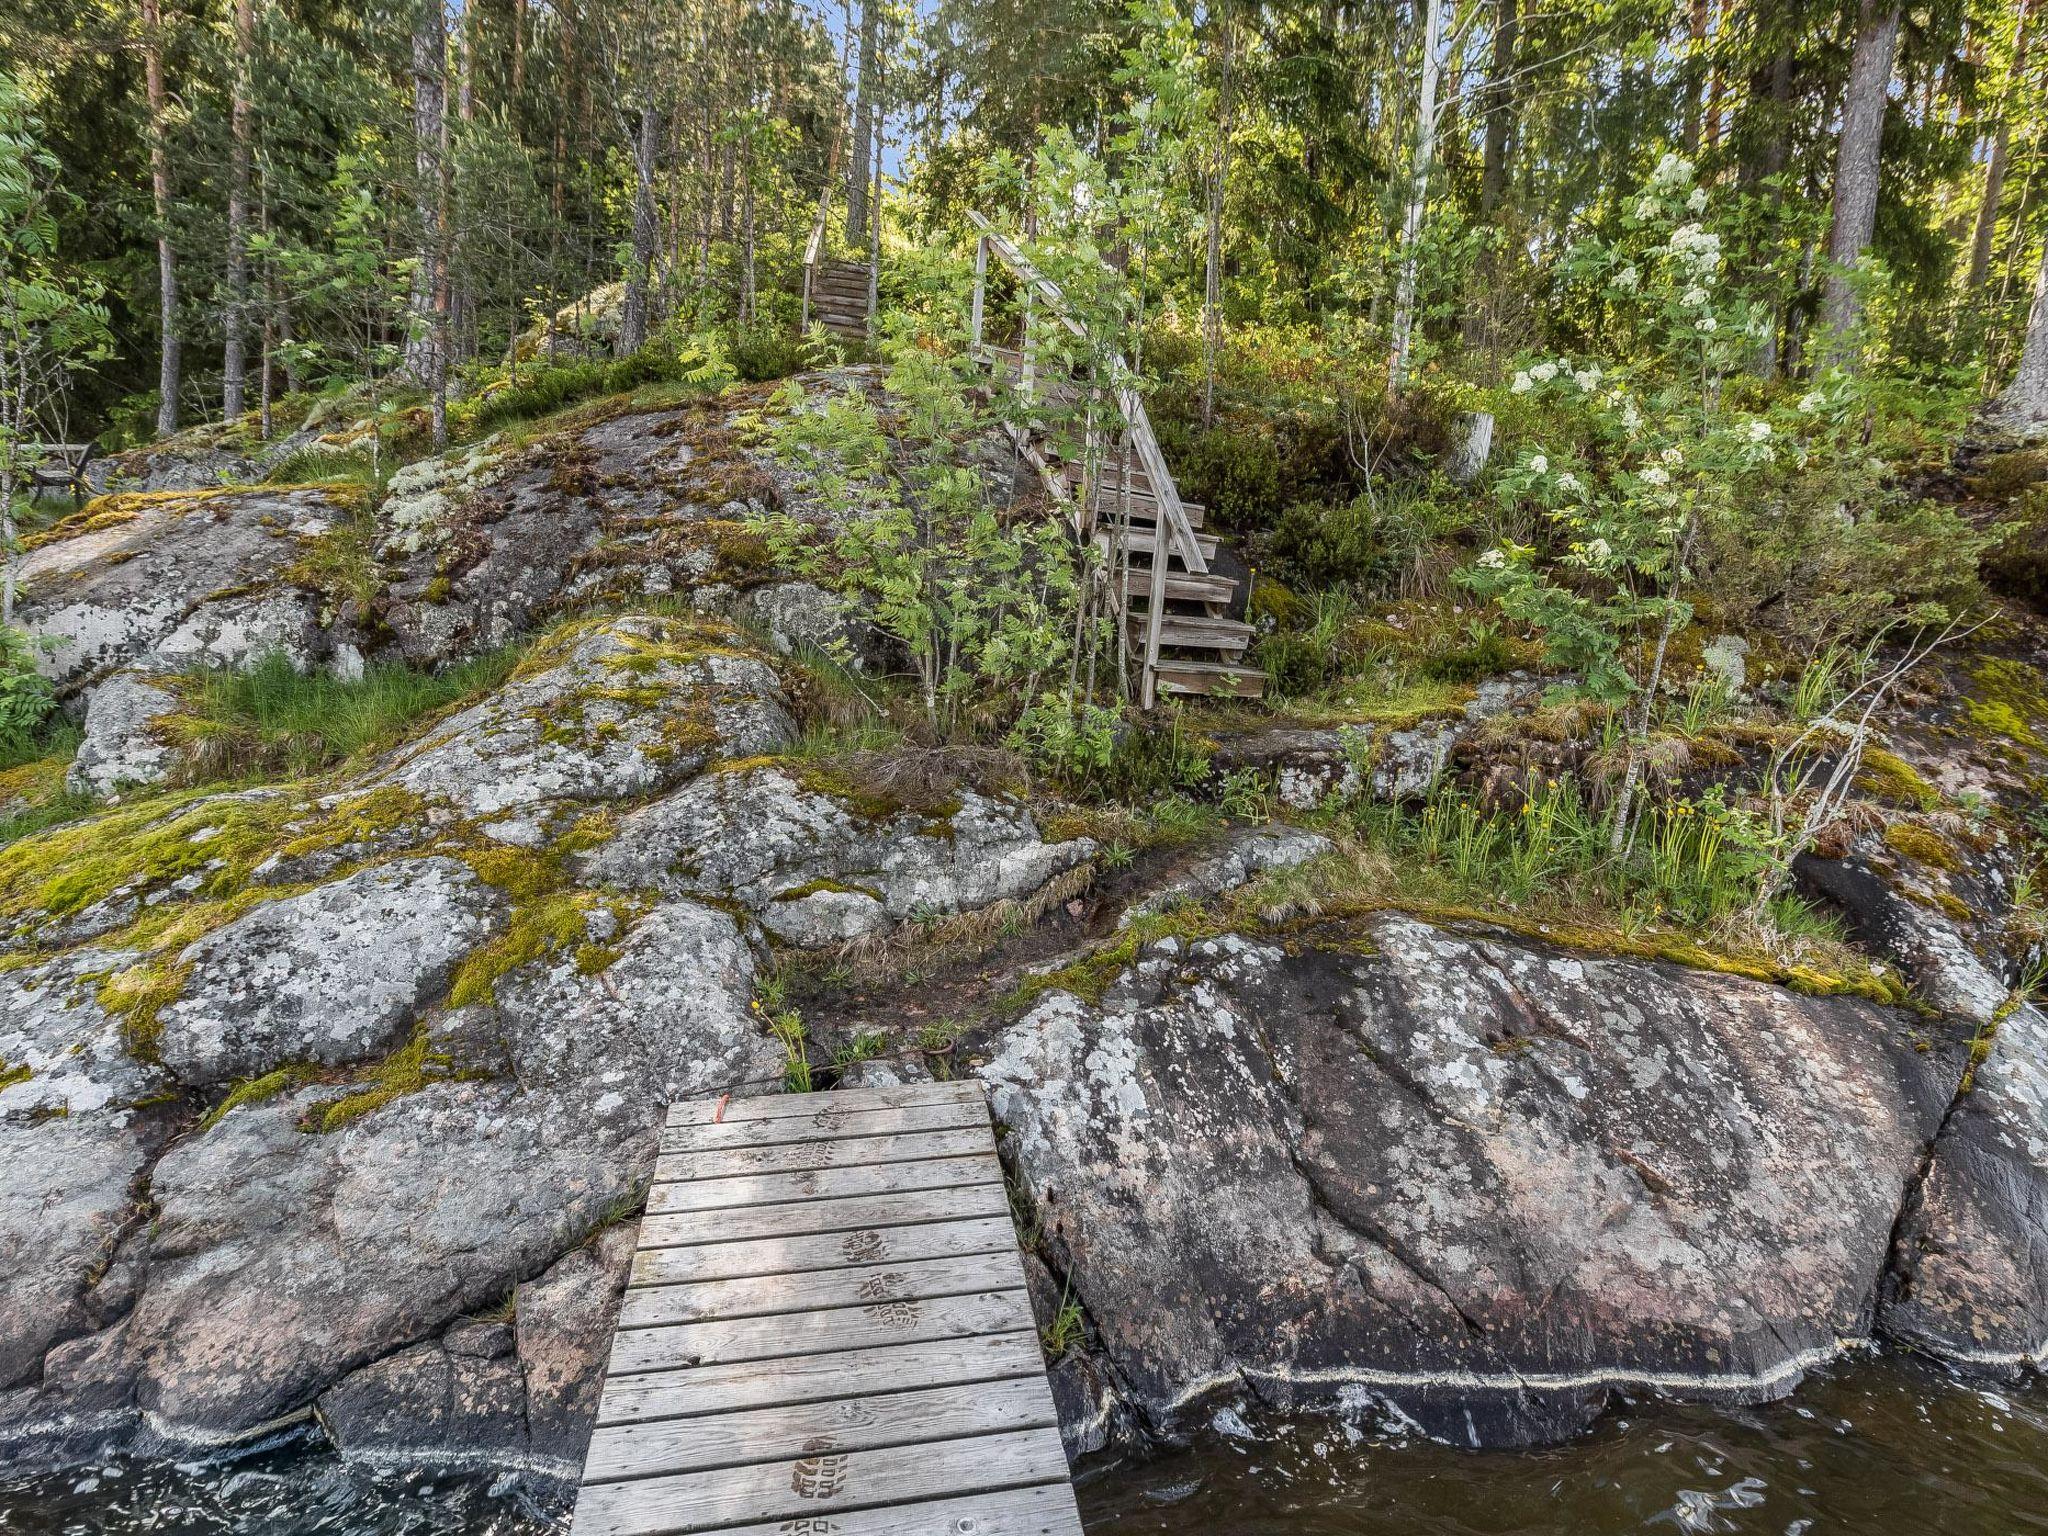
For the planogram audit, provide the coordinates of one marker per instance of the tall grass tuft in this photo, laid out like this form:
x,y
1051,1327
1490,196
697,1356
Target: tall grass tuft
x,y
274,719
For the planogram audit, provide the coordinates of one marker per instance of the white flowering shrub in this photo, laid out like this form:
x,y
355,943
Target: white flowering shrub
x,y
1598,529
1665,464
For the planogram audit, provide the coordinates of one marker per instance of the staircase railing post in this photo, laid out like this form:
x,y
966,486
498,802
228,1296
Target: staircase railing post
x,y
980,283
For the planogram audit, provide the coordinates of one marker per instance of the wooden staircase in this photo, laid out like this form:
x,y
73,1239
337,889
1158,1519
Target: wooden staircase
x,y
838,295
1179,614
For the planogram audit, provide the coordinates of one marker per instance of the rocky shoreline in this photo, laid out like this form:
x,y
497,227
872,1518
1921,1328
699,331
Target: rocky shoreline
x,y
335,1100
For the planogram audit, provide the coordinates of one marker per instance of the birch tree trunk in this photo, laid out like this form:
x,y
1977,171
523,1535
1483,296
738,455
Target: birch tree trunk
x,y
169,370
1418,197
2022,407
2000,158
633,315
234,367
1856,170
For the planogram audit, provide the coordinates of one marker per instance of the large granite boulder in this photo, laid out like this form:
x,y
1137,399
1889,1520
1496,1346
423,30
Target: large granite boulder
x,y
817,866
1970,1272
445,1181
606,710
75,1141
1488,1181
126,735
330,976
174,580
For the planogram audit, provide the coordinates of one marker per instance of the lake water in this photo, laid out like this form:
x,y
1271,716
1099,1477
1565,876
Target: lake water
x,y
1878,1445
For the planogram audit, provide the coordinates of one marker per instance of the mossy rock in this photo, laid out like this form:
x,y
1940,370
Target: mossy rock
x,y
1923,846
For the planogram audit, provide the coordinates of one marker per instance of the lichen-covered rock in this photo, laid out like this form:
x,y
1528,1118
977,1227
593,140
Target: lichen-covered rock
x,y
1895,905
73,1145
1310,765
124,740
1970,1272
443,1197
619,708
1485,1180
1246,852
330,976
816,868
170,580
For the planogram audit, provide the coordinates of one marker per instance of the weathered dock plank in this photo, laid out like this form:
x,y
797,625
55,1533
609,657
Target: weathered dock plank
x,y
803,1156
770,1295
822,1184
788,1255
824,1482
827,1328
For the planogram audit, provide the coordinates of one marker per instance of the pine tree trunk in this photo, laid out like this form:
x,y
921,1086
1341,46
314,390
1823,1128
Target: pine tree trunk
x,y
169,371
518,55
1695,55
1493,163
633,314
1856,170
862,168
2000,158
234,367
429,91
1418,197
2023,405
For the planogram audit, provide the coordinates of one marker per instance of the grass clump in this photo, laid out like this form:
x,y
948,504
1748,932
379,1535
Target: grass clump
x,y
273,719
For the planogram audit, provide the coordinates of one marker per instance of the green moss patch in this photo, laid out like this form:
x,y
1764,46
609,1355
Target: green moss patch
x,y
1922,846
554,923
1887,776
258,1090
2007,701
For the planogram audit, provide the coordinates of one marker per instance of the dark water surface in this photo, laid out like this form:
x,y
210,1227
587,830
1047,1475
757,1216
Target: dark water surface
x,y
1879,1445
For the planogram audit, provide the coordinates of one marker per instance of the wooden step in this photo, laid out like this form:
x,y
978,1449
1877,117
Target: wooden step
x,y
1216,679
1141,540
1198,631
1145,510
1183,586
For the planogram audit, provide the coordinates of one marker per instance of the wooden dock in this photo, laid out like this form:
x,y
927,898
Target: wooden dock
x,y
827,1333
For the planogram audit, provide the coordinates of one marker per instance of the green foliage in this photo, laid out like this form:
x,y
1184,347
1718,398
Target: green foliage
x,y
984,608
272,719
26,697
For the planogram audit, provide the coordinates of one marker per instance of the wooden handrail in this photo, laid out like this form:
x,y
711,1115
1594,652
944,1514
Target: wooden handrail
x,y
1129,403
1172,530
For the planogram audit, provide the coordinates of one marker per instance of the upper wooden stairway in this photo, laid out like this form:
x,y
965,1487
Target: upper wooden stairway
x,y
1177,607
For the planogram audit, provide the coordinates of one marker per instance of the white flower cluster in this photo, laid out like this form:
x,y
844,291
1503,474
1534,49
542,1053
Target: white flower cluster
x,y
1656,475
1540,464
1493,560
1813,401
1587,378
1758,430
1543,373
1598,552
1628,279
1698,250
1672,172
